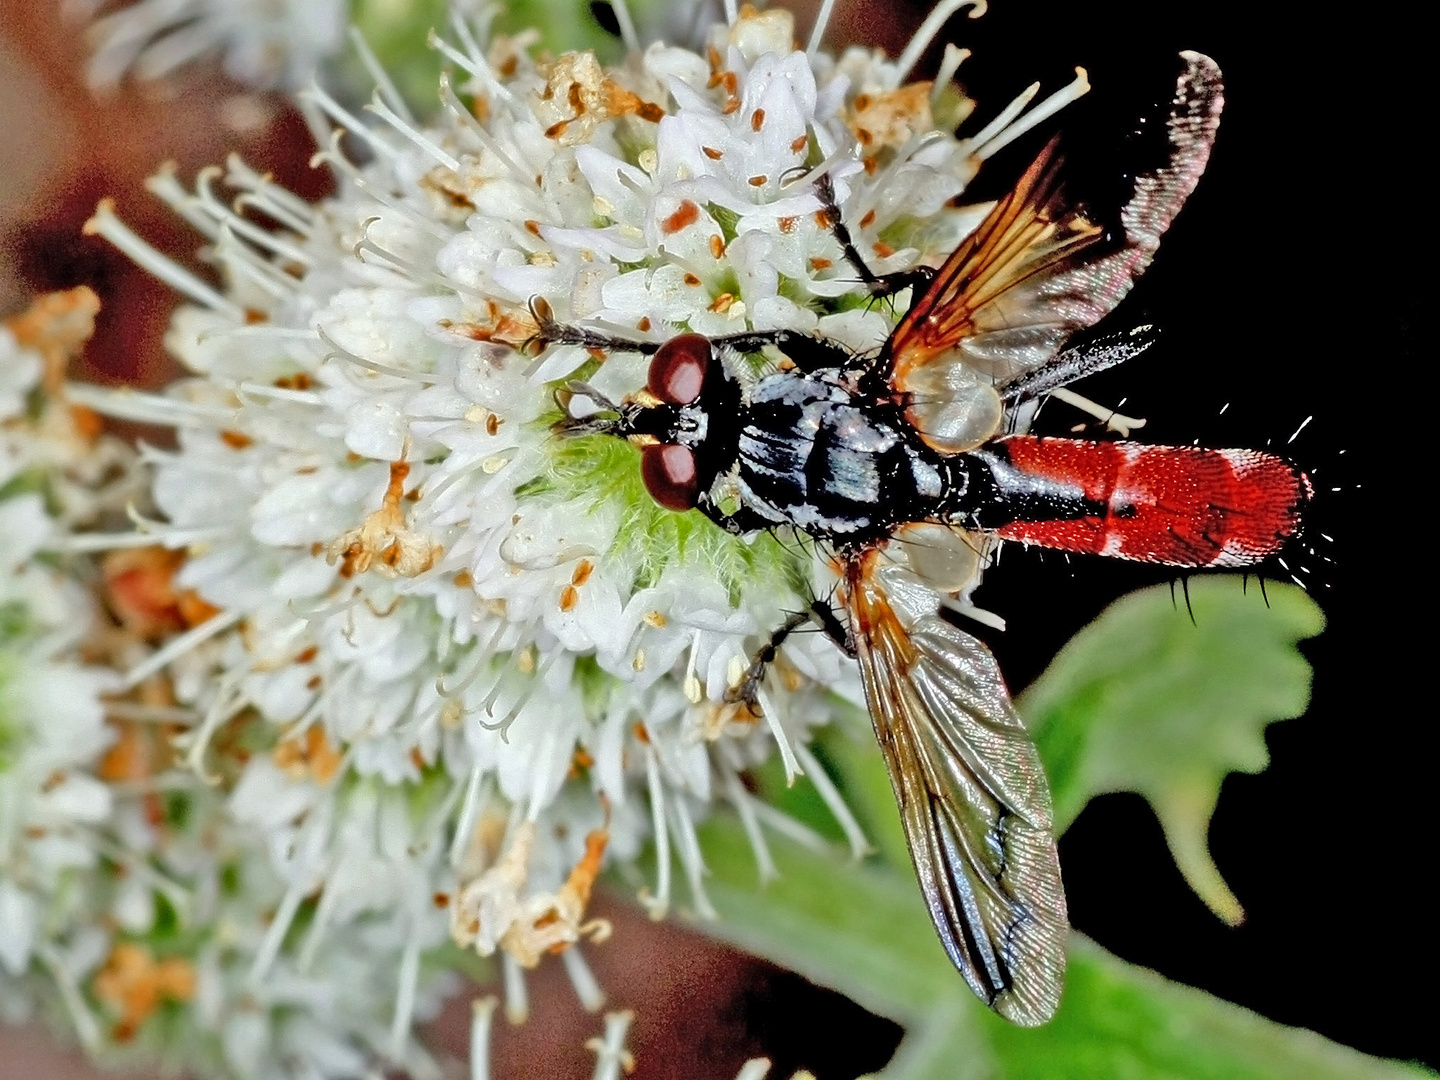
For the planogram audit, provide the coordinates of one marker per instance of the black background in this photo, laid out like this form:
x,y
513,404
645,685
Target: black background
x,y
1288,288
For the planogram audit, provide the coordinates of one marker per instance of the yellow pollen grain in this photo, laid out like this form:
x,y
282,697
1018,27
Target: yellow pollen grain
x,y
639,662
451,713
525,662
655,619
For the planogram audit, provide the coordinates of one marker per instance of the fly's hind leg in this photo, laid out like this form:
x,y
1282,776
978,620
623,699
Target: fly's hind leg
x,y
822,614
1053,376
880,285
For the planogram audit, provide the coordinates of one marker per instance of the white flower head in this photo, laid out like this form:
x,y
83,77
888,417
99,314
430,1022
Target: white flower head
x,y
53,736
263,43
419,589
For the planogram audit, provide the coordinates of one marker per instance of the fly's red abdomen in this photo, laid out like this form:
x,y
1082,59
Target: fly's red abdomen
x,y
1178,505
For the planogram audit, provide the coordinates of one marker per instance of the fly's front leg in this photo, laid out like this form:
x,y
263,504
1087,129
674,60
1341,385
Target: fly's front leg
x,y
550,332
741,522
880,285
747,691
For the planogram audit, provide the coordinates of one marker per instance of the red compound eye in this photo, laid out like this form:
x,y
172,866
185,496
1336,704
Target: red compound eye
x,y
678,371
669,474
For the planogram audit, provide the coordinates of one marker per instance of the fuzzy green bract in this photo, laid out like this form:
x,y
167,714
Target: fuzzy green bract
x,y
605,472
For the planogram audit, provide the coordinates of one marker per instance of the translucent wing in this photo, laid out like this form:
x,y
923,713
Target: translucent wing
x,y
972,795
1040,266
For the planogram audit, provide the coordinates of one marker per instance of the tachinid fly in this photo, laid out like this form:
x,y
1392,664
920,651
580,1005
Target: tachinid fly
x,y
906,465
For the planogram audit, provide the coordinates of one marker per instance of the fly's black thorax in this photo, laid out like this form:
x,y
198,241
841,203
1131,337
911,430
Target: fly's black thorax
x,y
841,467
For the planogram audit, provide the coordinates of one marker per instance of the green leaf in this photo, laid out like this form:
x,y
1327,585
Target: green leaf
x,y
398,31
1145,700
564,25
861,929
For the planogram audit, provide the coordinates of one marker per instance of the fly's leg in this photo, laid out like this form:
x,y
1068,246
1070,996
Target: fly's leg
x,y
880,285
807,352
747,691
1071,365
550,332
741,522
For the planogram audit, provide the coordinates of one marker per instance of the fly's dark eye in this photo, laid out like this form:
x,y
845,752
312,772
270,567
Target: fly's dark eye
x,y
678,371
670,476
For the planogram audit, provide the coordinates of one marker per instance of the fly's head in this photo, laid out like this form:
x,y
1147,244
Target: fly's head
x,y
671,420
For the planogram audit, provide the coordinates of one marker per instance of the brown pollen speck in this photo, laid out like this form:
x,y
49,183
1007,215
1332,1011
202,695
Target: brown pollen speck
x,y
757,119
687,213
